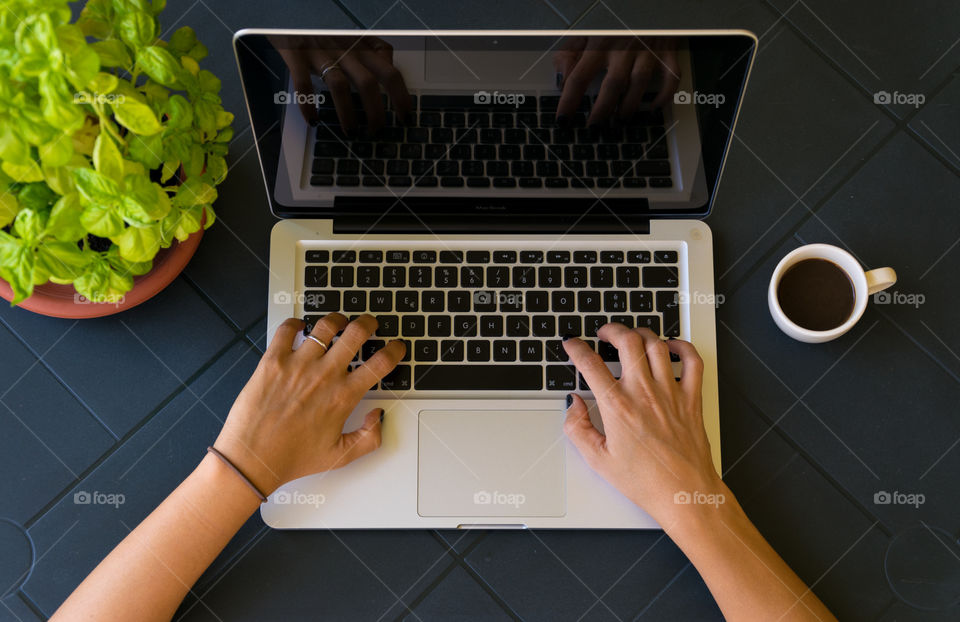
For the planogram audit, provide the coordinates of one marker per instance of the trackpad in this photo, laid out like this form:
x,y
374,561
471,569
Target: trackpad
x,y
491,463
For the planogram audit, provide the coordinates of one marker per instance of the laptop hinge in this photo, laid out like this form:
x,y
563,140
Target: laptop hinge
x,y
500,225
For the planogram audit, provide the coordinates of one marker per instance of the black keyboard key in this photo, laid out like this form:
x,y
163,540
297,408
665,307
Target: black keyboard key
x,y
398,379
381,300
330,150
562,301
451,256
498,276
398,256
504,351
408,301
480,377
615,301
547,169
669,306
425,350
531,256
371,347
348,167
665,256
561,378
641,302
535,301
344,256
554,352
601,276
524,276
517,326
315,276
478,351
574,276
638,256
450,350
445,276
607,352
420,276
426,182
556,182
511,301
400,182
588,301
611,256
438,325
388,326
660,276
569,325
628,277
592,323
531,182
355,301
424,256
531,350
398,167
478,182
558,256
521,168
504,182
413,325
464,326
661,182
368,276
410,151
374,181
478,256
341,276
448,168
544,326
471,276
394,276
549,276
431,301
322,166
504,257
317,256
491,326
458,300
484,301
309,321
652,168
451,182
321,301
649,321
626,320
348,180
472,168
585,257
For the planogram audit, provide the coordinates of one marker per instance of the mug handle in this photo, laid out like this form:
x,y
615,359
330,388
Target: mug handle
x,y
880,279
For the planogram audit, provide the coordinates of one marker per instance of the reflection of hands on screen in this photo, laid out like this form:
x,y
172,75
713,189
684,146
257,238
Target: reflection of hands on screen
x,y
363,63
633,66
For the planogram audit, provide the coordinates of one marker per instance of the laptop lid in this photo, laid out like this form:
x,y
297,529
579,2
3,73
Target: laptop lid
x,y
472,130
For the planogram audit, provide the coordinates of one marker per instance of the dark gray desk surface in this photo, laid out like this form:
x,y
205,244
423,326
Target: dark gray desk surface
x,y
810,433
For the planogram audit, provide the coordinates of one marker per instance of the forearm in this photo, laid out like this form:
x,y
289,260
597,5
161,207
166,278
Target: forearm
x,y
148,574
746,576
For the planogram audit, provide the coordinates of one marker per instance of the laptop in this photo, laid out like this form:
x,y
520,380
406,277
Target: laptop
x,y
483,194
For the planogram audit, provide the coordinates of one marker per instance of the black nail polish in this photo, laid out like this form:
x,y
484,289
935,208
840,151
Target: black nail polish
x,y
565,337
569,400
671,339
381,415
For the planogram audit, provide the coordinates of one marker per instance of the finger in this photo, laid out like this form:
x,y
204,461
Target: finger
x,y
614,85
639,81
378,366
589,363
378,58
581,431
299,66
658,356
339,87
691,370
631,351
282,343
325,330
364,439
354,336
367,87
575,84
670,70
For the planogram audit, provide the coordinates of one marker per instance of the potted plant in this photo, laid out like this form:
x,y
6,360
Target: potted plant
x,y
112,144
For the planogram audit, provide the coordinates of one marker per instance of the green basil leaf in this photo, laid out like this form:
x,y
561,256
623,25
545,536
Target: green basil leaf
x,y
101,220
36,197
28,225
94,282
194,191
57,152
112,53
179,112
97,188
64,222
82,66
12,146
193,165
23,173
210,216
9,206
107,159
63,261
137,117
138,243
104,82
205,113
146,150
19,274
160,65
216,168
183,40
208,82
124,267
137,29
198,52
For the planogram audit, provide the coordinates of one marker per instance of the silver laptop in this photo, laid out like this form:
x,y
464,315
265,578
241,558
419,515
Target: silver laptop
x,y
483,194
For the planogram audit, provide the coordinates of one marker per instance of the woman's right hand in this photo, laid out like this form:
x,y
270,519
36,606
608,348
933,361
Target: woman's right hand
x,y
654,444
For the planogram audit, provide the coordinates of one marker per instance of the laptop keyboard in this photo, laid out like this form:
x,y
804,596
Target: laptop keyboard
x,y
493,319
453,142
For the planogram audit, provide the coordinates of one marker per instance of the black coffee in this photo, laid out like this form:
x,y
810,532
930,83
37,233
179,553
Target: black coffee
x,y
816,294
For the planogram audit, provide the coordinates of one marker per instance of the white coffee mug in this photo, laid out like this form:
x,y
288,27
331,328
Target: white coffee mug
x,y
865,283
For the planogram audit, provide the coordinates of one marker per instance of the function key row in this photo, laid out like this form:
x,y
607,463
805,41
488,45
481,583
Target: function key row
x,y
504,256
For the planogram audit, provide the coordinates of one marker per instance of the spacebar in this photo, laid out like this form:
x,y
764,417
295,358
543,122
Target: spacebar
x,y
478,377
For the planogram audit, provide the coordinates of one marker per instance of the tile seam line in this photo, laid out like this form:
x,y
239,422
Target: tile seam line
x,y
238,338
216,308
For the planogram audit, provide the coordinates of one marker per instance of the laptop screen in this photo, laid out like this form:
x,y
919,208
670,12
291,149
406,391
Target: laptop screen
x,y
472,125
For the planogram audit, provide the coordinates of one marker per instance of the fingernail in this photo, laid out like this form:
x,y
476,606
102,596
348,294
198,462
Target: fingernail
x,y
671,339
381,415
569,400
565,337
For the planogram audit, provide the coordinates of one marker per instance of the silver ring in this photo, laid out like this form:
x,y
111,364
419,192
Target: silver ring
x,y
327,68
320,343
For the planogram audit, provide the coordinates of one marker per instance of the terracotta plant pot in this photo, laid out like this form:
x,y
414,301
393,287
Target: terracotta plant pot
x,y
64,302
